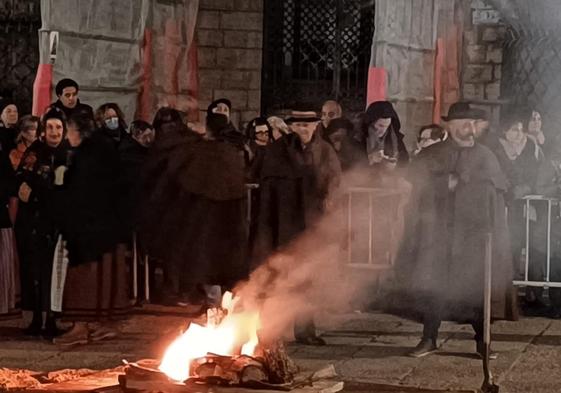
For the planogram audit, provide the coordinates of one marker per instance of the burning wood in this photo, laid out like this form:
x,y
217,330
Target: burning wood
x,y
273,371
226,351
225,371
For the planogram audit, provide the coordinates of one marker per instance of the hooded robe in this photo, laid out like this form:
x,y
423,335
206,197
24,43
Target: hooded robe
x,y
196,218
392,141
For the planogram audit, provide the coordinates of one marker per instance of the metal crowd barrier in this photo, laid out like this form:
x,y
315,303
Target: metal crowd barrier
x,y
527,282
392,215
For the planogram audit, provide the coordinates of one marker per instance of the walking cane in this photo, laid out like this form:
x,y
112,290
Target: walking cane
x,y
488,384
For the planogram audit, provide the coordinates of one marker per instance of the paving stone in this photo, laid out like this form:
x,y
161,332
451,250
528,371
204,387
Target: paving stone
x,y
362,347
537,371
389,370
446,371
326,352
346,340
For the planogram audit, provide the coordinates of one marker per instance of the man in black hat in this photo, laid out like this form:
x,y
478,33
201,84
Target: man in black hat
x,y
457,199
67,92
298,177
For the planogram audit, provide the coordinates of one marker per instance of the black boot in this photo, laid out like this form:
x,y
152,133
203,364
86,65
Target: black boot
x,y
311,339
425,347
51,330
305,332
34,328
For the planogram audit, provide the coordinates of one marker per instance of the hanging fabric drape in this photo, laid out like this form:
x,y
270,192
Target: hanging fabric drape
x,y
137,53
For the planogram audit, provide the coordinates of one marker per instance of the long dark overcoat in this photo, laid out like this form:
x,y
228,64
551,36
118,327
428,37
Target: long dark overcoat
x,y
294,184
89,200
36,228
195,210
443,250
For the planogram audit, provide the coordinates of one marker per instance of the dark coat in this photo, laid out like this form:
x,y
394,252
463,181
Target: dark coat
x,y
196,209
548,184
7,188
522,171
393,145
7,175
256,162
79,108
132,159
36,229
294,185
443,249
89,200
37,169
351,152
118,136
7,138
159,188
213,200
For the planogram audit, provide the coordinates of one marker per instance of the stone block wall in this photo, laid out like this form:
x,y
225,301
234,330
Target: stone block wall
x,y
482,59
229,36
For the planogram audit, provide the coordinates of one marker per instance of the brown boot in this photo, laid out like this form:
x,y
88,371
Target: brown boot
x,y
104,333
78,335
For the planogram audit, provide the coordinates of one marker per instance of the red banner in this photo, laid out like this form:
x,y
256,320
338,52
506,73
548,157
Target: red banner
x,y
377,77
42,89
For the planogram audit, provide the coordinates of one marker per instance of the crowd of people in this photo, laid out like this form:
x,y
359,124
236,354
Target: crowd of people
x,y
78,185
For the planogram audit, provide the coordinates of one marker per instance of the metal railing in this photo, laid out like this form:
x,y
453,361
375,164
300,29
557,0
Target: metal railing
x,y
388,203
390,215
535,283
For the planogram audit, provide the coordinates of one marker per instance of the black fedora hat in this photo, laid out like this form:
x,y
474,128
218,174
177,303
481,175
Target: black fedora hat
x,y
302,117
462,110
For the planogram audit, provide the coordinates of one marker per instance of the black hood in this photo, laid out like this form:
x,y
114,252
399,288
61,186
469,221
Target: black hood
x,y
383,110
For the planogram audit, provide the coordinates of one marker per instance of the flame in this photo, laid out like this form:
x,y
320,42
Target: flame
x,y
236,330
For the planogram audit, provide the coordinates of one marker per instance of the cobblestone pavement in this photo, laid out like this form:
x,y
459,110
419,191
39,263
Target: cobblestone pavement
x,y
368,350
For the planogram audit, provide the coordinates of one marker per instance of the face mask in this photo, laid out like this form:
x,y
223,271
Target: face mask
x,y
112,123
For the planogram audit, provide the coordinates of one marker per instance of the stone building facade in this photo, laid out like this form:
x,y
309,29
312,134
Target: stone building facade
x,y
483,42
229,37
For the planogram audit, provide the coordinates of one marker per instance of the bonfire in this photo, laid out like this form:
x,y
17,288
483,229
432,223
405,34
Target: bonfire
x,y
226,350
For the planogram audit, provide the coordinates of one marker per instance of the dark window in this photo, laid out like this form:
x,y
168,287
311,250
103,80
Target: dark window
x,y
316,50
20,21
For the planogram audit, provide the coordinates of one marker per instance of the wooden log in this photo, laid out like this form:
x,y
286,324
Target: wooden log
x,y
253,373
131,383
280,368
